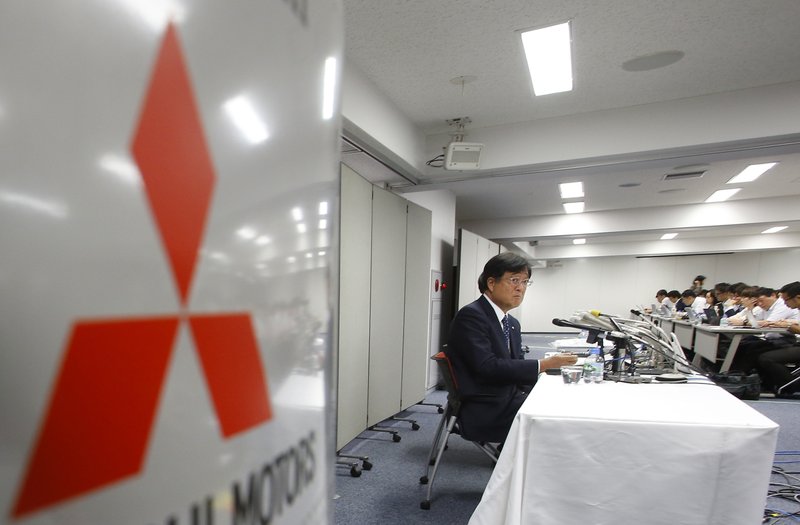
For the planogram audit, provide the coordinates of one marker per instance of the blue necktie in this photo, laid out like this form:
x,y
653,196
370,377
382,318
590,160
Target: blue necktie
x,y
506,332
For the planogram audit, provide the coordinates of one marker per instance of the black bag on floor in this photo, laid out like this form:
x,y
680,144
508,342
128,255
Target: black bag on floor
x,y
739,384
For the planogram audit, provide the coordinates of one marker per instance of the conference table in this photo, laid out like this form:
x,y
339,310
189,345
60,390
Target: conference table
x,y
621,453
707,338
684,331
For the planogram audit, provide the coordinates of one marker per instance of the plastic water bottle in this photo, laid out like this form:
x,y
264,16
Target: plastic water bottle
x,y
593,366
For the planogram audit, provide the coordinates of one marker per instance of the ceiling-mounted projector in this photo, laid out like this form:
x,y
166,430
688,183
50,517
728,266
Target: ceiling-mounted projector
x,y
463,156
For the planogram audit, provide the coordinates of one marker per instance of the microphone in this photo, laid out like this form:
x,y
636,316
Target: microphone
x,y
598,322
569,324
636,312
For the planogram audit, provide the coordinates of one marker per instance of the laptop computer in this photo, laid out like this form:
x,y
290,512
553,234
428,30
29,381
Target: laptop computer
x,y
712,317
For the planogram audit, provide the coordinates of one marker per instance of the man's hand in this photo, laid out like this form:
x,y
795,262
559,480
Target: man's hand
x,y
557,361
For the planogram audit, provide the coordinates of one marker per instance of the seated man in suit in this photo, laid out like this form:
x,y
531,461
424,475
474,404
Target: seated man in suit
x,y
485,350
774,314
771,365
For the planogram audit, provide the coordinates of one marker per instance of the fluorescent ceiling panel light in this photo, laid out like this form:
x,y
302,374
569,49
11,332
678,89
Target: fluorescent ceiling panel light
x,y
245,117
751,173
549,56
323,208
262,240
574,207
297,214
329,88
571,190
668,236
301,227
323,224
723,195
775,229
578,241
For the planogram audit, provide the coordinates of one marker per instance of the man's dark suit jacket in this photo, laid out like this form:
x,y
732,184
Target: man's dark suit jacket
x,y
492,381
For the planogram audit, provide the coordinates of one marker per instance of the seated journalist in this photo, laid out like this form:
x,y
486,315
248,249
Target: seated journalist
x,y
493,377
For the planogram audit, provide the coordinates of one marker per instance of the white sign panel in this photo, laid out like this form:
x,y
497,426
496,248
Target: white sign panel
x,y
168,184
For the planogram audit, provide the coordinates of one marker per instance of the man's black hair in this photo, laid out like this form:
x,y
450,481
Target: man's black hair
x,y
498,265
765,291
791,289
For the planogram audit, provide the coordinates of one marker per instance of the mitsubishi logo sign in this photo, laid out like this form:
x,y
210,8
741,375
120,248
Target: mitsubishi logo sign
x,y
98,423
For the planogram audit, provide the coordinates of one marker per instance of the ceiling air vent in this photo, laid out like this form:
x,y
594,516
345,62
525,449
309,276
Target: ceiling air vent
x,y
684,175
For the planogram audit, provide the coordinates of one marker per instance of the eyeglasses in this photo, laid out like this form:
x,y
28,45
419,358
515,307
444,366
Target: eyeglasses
x,y
516,281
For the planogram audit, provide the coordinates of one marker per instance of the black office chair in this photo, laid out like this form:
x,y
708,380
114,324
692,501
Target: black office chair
x,y
448,425
796,377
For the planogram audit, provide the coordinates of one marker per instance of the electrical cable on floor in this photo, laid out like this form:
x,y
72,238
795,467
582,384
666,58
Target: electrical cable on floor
x,y
788,491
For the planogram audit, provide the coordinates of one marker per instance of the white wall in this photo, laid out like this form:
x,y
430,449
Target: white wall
x,y
616,284
377,123
442,204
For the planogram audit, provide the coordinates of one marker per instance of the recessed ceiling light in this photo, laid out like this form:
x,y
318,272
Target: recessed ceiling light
x,y
684,175
652,61
574,207
775,229
668,236
578,241
297,214
549,56
723,195
751,173
571,190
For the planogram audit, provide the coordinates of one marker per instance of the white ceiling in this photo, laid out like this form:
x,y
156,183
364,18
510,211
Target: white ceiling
x,y
412,50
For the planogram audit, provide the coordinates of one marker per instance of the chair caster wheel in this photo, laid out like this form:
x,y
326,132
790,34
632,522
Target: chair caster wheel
x,y
423,480
355,472
425,505
366,465
414,426
396,438
440,410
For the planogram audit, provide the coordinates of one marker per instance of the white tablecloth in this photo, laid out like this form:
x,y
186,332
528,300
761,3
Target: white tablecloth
x,y
625,454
